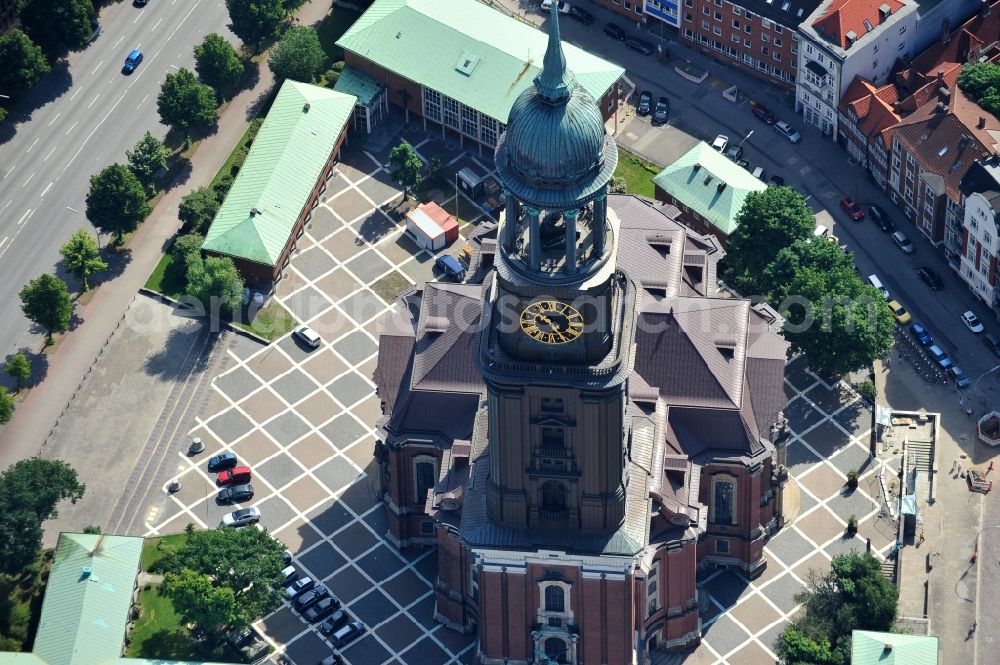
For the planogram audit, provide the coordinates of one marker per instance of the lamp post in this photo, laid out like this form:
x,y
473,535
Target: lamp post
x,y
972,402
749,134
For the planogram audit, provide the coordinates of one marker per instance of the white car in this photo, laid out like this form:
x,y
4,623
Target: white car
x,y
564,7
787,131
307,335
720,143
241,517
972,322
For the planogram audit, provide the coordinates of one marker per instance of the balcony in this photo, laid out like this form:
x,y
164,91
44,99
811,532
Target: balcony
x,y
554,514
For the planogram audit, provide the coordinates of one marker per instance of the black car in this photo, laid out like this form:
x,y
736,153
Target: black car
x,y
645,104
348,634
236,493
581,15
226,460
311,597
734,152
661,112
322,609
615,32
880,218
930,278
336,620
776,180
640,45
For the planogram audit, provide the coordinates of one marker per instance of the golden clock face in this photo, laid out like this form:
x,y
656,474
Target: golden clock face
x,y
551,322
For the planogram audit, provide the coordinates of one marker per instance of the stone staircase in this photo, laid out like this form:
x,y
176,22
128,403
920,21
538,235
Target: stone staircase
x,y
889,570
924,453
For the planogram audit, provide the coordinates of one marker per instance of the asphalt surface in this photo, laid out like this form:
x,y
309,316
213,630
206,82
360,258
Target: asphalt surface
x,y
76,122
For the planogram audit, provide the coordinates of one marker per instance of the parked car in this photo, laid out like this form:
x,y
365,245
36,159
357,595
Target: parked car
x,y
614,31
899,312
336,620
226,460
763,113
903,242
787,131
662,111
451,267
299,586
322,609
939,356
332,659
289,573
311,597
242,517
237,474
881,218
972,321
581,15
564,7
776,180
132,60
308,336
140,3
992,343
930,278
921,334
347,634
961,380
734,152
235,493
720,143
645,105
743,164
640,45
851,207
879,286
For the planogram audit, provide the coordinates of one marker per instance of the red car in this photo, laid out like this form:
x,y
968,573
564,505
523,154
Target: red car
x,y
238,474
851,207
763,113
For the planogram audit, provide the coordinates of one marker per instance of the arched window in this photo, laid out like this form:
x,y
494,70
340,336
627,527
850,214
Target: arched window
x,y
723,495
553,496
424,477
555,599
555,649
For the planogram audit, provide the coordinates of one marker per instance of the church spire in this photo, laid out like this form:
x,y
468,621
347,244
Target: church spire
x,y
555,82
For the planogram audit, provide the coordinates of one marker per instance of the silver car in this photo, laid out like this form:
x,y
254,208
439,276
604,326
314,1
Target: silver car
x,y
241,517
307,335
787,131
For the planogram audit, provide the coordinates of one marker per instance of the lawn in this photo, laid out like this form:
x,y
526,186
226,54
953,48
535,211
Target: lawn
x,y
271,322
638,173
21,604
166,278
159,633
390,286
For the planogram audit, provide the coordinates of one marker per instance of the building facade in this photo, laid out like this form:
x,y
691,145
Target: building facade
x,y
653,14
589,427
981,230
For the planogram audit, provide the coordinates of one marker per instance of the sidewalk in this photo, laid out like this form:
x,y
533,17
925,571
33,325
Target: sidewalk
x,y
34,418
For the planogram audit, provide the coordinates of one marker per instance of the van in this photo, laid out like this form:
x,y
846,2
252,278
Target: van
x,y
992,343
877,283
758,173
903,242
451,267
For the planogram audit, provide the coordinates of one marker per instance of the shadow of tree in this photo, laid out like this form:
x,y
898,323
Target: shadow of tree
x,y
187,350
51,87
376,226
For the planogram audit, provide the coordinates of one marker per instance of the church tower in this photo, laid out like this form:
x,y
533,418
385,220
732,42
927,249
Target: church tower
x,y
558,322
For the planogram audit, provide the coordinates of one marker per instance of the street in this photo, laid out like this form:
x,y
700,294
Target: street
x,y
84,118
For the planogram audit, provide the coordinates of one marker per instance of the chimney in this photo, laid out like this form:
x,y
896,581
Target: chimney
x,y
721,187
887,649
305,107
884,12
940,76
984,8
982,122
708,179
945,30
851,37
697,165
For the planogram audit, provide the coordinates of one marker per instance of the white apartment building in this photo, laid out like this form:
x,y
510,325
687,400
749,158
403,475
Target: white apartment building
x,y
981,234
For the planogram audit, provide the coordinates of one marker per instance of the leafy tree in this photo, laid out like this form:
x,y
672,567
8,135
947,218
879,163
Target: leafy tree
x,y
797,647
93,529
298,56
215,281
197,209
220,557
769,221
618,185
187,248
146,160
218,64
18,368
45,301
116,202
3,114
58,25
30,490
981,81
255,21
81,257
184,103
406,167
22,62
199,601
6,406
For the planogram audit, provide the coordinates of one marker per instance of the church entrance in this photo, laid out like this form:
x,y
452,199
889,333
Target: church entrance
x,y
555,650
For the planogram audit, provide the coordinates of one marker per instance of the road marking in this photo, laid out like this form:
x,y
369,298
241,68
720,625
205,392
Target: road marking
x,y
76,93
9,171
157,24
24,217
94,101
50,153
138,16
20,226
4,241
97,67
120,40
53,120
7,206
28,180
144,99
31,147
74,210
71,127
46,190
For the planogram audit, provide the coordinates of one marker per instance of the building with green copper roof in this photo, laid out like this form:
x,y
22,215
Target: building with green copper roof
x,y
871,648
708,188
461,63
280,180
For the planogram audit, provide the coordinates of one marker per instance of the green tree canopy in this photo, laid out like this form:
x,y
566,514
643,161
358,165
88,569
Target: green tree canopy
x,y
255,21
116,202
405,165
18,368
184,103
22,63
45,301
81,256
197,209
187,248
769,221
30,490
57,25
981,81
298,56
146,160
218,64
199,601
6,406
215,283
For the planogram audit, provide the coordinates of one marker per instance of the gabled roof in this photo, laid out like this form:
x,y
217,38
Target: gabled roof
x,y
710,184
871,648
844,17
88,599
285,161
872,106
447,336
466,50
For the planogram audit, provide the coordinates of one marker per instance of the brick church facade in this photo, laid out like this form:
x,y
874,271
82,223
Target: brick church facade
x,y
585,425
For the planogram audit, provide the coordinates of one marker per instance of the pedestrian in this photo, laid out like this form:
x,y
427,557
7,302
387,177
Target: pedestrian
x,y
989,468
959,468
888,361
954,465
921,539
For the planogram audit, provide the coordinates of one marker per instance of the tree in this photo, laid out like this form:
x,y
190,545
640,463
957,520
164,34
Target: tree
x,y
184,103
197,209
298,56
219,556
406,167
768,222
617,185
6,406
58,25
116,202
255,21
187,248
45,301
215,283
81,257
18,368
22,62
218,64
146,160
981,81
200,602
30,490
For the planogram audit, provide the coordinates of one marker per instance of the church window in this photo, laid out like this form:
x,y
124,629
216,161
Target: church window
x,y
555,649
553,496
723,495
552,405
553,438
555,599
722,547
424,477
